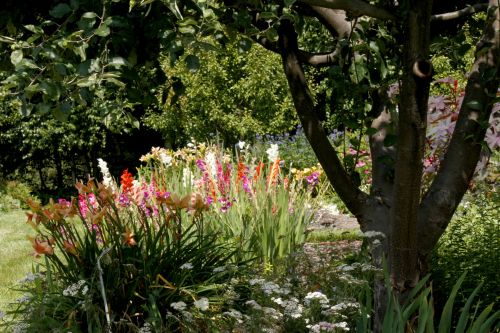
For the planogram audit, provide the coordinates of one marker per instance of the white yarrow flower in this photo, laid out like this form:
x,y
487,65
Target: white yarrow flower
x,y
201,304
179,306
187,266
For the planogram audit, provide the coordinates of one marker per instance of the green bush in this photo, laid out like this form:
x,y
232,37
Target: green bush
x,y
470,244
14,195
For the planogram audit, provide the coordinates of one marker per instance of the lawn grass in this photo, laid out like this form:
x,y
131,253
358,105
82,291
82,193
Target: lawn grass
x,y
16,254
332,235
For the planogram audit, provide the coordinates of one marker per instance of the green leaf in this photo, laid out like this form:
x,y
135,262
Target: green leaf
x,y
266,15
74,4
89,15
61,112
475,105
16,57
289,2
244,45
34,29
102,31
192,63
60,10
464,315
188,29
445,322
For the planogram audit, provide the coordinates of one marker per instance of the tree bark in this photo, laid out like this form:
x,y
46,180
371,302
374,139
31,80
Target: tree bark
x,y
412,123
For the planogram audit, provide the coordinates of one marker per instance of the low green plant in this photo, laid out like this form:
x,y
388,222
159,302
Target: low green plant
x,y
417,313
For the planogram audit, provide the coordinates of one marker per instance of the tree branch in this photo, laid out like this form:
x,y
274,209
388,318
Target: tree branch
x,y
314,131
313,59
334,20
459,13
354,7
460,160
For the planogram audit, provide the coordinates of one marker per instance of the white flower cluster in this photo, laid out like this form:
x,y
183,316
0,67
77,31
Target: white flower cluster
x,y
75,288
30,278
179,306
21,328
187,266
202,304
269,287
273,152
234,314
325,326
146,328
107,180
341,307
316,295
292,308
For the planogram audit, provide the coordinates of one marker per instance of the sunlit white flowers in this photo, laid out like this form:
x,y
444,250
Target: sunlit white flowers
x,y
273,152
202,304
179,306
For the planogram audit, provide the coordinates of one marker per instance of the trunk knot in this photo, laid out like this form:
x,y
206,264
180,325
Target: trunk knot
x,y
423,69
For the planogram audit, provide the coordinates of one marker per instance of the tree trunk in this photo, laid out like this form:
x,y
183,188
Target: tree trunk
x,y
412,124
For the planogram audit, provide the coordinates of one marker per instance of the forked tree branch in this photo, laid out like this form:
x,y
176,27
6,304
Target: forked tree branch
x,y
350,194
313,59
462,155
459,13
353,7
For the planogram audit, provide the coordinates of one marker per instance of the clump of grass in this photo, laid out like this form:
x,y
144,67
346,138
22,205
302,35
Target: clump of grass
x,y
333,235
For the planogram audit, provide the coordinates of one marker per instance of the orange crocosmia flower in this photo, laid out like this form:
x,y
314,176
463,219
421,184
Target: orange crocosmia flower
x,y
41,246
128,238
126,180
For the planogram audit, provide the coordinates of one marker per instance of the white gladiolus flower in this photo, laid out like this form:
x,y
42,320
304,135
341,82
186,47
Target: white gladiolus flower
x,y
211,162
241,145
107,180
273,152
165,158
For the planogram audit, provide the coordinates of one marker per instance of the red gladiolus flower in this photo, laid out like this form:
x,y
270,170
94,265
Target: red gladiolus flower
x,y
126,180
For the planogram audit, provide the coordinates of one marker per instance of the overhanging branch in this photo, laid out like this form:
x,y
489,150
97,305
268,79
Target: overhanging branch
x,y
353,7
314,131
313,59
459,13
